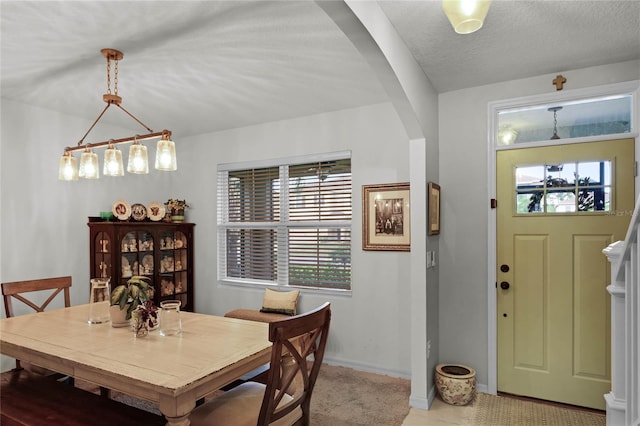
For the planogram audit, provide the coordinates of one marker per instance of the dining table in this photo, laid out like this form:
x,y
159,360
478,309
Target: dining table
x,y
170,371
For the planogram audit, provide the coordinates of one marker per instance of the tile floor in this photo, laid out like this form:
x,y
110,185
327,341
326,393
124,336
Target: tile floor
x,y
440,414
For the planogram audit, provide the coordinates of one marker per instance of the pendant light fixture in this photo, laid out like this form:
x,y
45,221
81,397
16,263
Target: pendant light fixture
x,y
113,166
68,169
466,16
138,159
507,136
166,154
89,168
555,122
113,162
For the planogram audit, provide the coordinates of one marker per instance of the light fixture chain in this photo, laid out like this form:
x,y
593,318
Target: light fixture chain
x,y
108,75
115,77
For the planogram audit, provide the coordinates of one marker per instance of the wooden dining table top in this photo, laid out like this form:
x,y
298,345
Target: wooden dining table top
x,y
172,371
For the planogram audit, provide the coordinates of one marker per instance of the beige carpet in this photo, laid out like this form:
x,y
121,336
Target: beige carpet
x,y
493,410
342,396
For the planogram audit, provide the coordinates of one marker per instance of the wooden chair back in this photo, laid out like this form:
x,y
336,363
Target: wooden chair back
x,y
295,340
17,289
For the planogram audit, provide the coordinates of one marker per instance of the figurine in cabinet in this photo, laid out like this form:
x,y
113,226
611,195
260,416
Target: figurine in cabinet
x,y
145,245
104,244
168,243
178,265
179,287
166,264
126,268
166,288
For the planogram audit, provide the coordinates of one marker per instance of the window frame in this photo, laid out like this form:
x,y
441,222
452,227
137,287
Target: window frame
x,y
281,227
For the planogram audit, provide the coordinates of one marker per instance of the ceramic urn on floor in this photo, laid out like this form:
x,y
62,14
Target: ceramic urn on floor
x,y
455,383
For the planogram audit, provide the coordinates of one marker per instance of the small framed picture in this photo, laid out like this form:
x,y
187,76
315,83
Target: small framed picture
x,y
433,225
386,217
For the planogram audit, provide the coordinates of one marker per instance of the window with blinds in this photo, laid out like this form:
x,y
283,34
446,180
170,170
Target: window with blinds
x,y
286,224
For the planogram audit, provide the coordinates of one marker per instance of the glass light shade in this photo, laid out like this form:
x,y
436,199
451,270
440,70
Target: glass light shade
x,y
138,159
466,16
68,169
166,156
89,168
507,136
113,162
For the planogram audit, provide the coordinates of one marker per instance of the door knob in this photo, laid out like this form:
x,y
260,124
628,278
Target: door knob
x,y
504,268
504,285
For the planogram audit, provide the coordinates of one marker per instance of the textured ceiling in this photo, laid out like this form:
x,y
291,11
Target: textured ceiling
x,y
202,66
519,39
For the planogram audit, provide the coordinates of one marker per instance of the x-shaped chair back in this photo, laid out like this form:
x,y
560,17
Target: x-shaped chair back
x,y
17,289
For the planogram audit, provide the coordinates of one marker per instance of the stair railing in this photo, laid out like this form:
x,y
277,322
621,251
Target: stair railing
x,y
623,402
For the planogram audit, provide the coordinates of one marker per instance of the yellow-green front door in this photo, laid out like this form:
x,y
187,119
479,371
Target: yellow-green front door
x,y
558,207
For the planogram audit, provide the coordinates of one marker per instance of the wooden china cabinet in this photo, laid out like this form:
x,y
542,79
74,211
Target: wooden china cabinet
x,y
158,250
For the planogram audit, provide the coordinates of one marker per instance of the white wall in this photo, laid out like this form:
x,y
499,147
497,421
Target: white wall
x,y
465,204
370,330
44,231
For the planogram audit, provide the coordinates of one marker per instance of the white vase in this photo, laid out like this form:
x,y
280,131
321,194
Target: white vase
x,y
118,316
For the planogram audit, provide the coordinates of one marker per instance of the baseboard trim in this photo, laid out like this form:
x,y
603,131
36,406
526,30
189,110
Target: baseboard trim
x,y
420,403
616,409
481,387
367,367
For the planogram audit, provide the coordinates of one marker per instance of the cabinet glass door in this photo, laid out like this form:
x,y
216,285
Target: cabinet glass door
x,y
137,255
102,259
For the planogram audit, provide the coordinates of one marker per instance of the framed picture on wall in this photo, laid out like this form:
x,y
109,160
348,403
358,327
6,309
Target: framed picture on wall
x,y
386,217
433,225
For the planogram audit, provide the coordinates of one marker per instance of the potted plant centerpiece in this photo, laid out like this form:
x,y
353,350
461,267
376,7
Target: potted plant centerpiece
x,y
126,298
176,209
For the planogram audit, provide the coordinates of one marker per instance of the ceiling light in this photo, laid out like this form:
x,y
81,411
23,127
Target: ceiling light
x,y
466,16
166,154
138,163
138,159
113,162
89,168
508,136
68,169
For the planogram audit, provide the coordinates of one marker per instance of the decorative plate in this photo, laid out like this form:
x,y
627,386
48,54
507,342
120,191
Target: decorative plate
x,y
121,209
155,211
138,211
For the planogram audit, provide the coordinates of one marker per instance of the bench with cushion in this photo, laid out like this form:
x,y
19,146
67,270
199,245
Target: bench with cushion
x,y
276,305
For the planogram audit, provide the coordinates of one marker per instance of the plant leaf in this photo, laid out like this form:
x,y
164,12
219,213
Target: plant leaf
x,y
117,295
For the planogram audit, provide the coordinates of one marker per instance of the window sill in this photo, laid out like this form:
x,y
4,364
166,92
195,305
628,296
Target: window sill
x,y
303,289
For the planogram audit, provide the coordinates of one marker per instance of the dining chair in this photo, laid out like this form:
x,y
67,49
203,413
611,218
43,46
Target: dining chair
x,y
18,289
286,397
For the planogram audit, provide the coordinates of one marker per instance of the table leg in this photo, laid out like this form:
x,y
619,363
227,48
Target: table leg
x,y
178,421
177,410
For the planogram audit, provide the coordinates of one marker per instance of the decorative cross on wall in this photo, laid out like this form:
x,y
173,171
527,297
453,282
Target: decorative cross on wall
x,y
559,81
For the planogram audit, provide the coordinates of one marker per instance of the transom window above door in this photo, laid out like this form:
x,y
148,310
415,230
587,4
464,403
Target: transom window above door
x,y
572,187
562,120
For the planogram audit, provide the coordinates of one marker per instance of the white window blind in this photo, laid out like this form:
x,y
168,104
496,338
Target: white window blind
x,y
297,234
